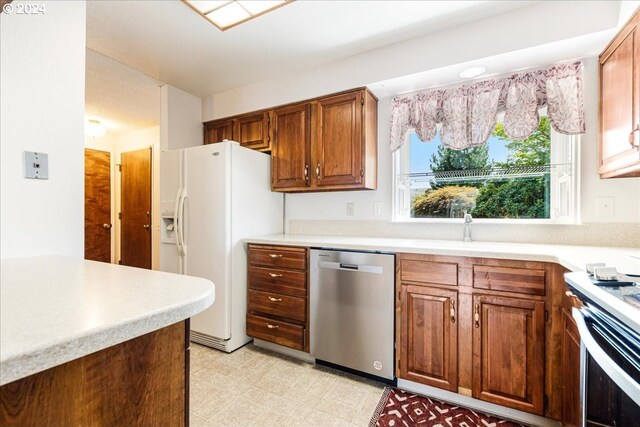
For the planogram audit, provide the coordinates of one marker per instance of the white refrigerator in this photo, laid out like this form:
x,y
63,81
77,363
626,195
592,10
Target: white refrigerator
x,y
211,198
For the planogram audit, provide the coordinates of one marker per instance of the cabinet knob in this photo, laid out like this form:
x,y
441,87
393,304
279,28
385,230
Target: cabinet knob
x,y
453,311
270,326
272,299
476,315
146,226
318,171
306,172
274,275
107,226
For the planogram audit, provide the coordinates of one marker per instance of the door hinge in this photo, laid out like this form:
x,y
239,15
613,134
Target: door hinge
x,y
361,172
545,402
120,261
119,165
546,315
399,295
119,215
362,101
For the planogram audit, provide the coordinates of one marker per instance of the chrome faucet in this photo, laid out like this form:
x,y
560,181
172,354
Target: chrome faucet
x,y
468,219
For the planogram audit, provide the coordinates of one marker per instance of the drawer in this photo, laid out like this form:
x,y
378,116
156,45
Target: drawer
x,y
510,279
274,304
282,333
278,256
288,282
442,273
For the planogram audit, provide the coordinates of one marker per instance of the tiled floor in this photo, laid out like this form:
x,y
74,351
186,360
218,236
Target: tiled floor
x,y
256,387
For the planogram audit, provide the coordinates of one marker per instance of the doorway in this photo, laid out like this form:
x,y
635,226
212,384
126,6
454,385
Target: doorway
x,y
97,205
135,208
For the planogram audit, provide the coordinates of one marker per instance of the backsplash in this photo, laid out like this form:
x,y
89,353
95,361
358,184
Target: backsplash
x,y
622,234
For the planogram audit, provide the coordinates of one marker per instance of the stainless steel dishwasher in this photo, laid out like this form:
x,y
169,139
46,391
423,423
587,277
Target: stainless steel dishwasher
x,y
352,310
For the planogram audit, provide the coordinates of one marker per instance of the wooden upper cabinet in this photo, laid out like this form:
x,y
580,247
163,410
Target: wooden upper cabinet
x,y
619,136
290,154
218,130
428,336
508,352
252,131
346,141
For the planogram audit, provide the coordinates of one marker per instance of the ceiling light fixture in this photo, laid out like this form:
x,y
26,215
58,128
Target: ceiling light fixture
x,y
472,72
226,14
94,128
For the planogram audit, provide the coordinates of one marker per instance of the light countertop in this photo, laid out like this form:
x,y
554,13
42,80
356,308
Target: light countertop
x,y
574,258
56,309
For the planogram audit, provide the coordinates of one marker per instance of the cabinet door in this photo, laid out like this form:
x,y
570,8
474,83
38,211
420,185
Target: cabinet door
x,y
339,142
508,352
252,131
570,372
218,131
290,151
620,104
429,337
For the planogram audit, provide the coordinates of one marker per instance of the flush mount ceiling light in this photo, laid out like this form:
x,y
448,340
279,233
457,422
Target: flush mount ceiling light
x,y
94,128
472,72
226,14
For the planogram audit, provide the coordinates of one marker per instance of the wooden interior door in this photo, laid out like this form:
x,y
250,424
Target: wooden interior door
x,y
97,205
429,337
290,153
339,140
135,224
508,352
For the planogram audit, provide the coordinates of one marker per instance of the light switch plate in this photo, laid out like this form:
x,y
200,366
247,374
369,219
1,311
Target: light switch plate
x,y
377,208
350,208
36,165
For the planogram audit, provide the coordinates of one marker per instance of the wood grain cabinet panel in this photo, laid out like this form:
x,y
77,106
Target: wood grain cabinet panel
x,y
428,337
417,270
619,136
291,151
141,382
218,131
252,131
508,352
520,280
278,304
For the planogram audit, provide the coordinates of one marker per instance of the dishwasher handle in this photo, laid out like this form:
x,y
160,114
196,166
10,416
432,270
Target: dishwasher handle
x,y
361,268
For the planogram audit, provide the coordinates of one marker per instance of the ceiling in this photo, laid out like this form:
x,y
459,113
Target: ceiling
x,y
123,99
169,42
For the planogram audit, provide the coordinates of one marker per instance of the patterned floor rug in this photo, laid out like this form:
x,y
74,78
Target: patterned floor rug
x,y
398,408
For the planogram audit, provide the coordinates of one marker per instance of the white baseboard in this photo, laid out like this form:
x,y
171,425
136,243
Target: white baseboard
x,y
284,350
478,405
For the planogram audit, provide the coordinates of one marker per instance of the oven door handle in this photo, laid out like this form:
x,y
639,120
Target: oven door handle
x,y
615,372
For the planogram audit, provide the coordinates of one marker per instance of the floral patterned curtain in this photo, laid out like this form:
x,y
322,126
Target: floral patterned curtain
x,y
468,113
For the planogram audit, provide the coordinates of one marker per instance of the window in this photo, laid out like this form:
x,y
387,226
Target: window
x,y
532,179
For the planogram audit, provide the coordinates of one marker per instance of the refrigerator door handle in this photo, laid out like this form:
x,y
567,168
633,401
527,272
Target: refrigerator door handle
x,y
177,220
183,196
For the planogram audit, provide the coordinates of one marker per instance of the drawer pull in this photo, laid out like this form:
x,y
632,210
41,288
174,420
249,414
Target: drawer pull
x,y
275,255
570,294
476,316
275,299
453,311
275,275
270,326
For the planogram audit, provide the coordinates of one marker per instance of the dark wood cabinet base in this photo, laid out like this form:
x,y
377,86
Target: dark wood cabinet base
x,y
141,382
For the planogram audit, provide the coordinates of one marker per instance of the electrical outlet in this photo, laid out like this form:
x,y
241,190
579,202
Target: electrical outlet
x,y
350,208
606,207
377,208
36,165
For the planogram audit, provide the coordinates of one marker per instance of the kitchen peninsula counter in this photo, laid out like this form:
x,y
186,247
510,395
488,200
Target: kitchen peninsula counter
x,y
572,257
84,341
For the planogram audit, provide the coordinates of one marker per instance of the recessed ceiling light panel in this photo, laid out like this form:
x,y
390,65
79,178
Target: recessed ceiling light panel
x,y
229,13
472,72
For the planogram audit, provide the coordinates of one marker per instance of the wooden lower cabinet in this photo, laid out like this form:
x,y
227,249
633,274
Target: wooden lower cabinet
x,y
429,337
570,372
140,382
508,352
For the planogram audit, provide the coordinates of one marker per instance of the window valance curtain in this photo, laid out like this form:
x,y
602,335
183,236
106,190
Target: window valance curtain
x,y
468,113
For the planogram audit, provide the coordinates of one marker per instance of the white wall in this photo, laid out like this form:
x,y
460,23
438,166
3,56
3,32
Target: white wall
x,y
446,48
42,72
180,119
